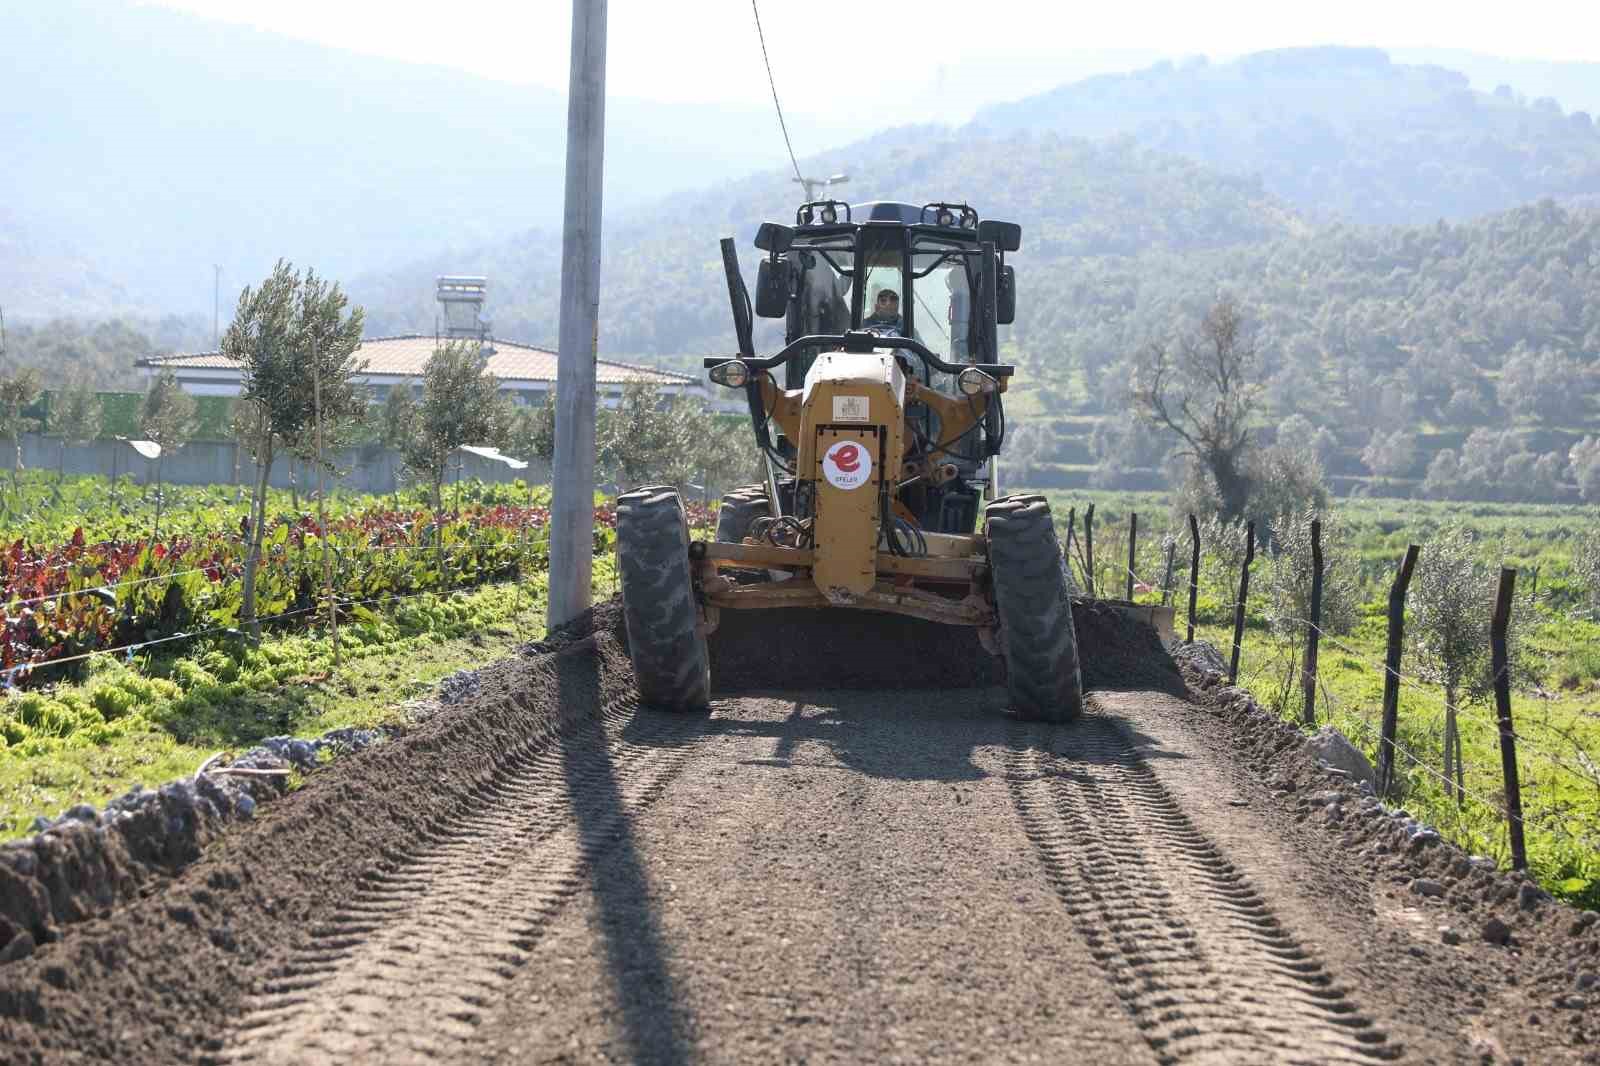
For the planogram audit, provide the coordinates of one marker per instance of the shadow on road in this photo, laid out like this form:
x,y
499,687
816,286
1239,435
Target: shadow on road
x,y
630,929
868,732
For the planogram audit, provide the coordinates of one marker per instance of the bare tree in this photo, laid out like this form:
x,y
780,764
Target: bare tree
x,y
1205,392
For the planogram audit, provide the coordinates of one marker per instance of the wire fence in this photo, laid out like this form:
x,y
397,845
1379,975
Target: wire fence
x,y
1499,818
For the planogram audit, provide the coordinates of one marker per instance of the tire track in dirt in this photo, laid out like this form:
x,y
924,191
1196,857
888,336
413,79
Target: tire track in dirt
x,y
1191,947
405,969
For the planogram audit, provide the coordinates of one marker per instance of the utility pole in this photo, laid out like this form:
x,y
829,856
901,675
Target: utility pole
x,y
572,474
813,184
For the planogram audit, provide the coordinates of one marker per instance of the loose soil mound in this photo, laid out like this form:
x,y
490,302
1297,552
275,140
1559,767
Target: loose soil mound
x,y
843,649
149,983
1543,969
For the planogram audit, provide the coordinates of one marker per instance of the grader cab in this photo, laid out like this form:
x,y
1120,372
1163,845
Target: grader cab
x,y
880,445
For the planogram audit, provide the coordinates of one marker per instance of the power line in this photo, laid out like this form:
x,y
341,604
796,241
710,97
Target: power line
x,y
781,124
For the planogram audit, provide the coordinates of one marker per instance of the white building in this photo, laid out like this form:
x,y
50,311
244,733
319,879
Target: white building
x,y
526,372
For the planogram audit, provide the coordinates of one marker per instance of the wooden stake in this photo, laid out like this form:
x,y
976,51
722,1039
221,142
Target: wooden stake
x,y
1088,550
1391,674
1194,573
1308,673
1244,594
1133,541
1500,662
322,512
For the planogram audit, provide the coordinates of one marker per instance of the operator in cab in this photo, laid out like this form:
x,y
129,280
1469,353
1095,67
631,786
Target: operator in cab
x,y
885,316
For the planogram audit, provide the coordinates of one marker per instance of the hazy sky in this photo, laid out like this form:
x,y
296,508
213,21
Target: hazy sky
x,y
706,50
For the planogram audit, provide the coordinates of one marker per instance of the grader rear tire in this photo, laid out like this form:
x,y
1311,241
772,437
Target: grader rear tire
x,y
671,665
1034,609
739,508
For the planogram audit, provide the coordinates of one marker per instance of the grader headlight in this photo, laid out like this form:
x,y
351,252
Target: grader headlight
x,y
734,374
974,382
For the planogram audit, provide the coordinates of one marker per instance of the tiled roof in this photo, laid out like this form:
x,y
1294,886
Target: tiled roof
x,y
406,356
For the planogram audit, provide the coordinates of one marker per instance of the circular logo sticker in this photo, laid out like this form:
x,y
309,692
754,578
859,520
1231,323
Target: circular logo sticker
x,y
847,465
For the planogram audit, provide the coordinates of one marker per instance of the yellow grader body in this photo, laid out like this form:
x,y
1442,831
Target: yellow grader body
x,y
881,452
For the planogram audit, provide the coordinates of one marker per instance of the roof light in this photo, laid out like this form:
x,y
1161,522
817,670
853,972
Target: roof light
x,y
946,218
829,215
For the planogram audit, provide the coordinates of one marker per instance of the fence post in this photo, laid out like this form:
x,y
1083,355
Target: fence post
x,y
1072,538
1244,594
1391,670
1166,582
1502,702
1088,549
1194,573
1133,541
1309,674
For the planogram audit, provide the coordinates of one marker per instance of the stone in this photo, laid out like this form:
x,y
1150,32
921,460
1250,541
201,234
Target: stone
x,y
1531,895
1423,838
1584,920
1496,931
1449,935
21,947
1425,886
1331,748
1587,981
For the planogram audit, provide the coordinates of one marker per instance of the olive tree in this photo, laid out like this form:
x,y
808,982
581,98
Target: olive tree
x,y
78,417
1451,604
460,405
167,418
1290,571
288,332
394,428
18,391
1586,565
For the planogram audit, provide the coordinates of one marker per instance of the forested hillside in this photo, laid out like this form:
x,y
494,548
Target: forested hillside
x,y
1342,133
663,289
101,353
1434,332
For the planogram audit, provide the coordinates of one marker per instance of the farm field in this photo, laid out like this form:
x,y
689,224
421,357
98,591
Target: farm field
x,y
124,662
1556,710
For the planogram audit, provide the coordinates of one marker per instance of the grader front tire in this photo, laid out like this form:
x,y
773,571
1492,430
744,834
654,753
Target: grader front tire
x,y
1034,609
670,662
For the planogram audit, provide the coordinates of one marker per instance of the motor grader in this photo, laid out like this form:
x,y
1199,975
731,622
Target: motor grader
x,y
880,446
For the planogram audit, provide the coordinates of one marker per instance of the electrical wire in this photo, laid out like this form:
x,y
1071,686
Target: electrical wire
x,y
784,126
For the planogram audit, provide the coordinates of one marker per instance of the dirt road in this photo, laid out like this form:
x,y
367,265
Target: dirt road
x,y
797,877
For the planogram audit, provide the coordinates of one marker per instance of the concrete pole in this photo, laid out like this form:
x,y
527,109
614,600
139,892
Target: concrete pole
x,y
572,504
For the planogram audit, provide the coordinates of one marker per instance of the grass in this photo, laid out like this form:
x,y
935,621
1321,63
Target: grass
x,y
1556,710
286,686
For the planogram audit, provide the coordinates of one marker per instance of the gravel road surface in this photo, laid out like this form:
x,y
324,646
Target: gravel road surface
x,y
823,876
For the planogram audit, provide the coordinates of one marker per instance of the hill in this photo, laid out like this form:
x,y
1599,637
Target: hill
x,y
160,143
1341,133
664,295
